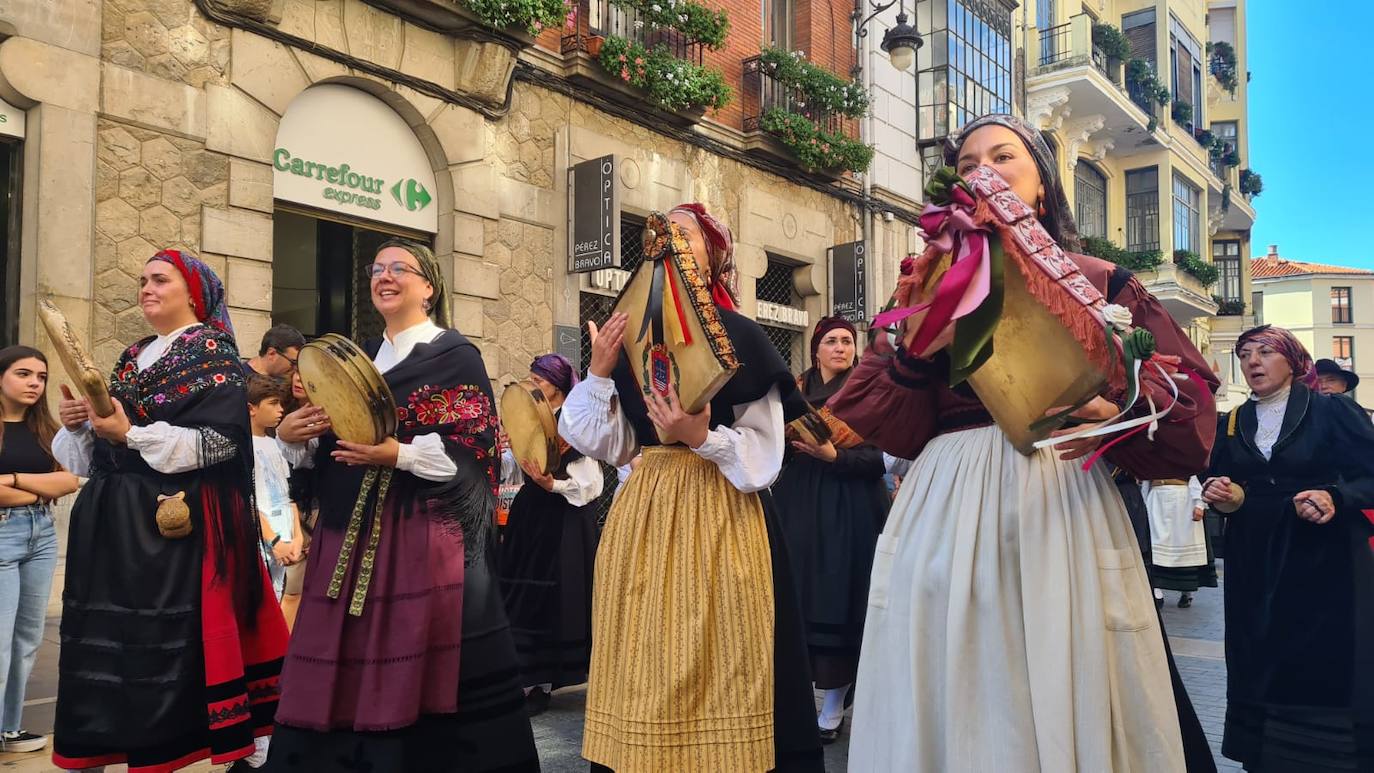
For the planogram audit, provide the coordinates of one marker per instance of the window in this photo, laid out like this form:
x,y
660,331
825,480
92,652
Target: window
x,y
1186,65
1090,200
1187,215
1221,25
777,286
964,69
777,23
1257,306
1343,351
1046,15
1139,28
1226,256
1340,306
1227,133
1142,209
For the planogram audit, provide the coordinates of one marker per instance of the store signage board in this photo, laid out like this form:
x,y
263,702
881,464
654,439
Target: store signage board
x,y
593,216
12,120
848,281
343,150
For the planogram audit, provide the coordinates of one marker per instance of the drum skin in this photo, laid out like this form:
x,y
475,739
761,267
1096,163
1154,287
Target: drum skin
x,y
529,423
339,377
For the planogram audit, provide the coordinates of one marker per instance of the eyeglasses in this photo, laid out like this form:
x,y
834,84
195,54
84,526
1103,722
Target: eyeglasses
x,y
396,270
291,360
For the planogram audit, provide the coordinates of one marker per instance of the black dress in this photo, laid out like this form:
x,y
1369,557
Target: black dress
x,y
831,514
1300,596
547,555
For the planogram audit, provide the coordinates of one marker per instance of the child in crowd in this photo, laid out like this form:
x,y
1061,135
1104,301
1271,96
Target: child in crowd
x,y
279,518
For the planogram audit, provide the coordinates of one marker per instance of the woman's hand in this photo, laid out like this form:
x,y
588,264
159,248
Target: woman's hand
x,y
675,424
1221,491
538,478
360,454
73,411
1315,506
1198,513
115,427
282,552
606,343
1096,410
825,451
303,424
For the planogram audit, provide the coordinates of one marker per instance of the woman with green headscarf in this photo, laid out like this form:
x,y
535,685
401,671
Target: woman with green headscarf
x,y
378,671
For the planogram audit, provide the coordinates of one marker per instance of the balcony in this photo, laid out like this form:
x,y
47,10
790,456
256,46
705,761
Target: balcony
x,y
760,92
1071,72
1183,295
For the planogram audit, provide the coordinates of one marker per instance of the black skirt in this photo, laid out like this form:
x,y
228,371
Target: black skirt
x,y
547,555
489,733
831,523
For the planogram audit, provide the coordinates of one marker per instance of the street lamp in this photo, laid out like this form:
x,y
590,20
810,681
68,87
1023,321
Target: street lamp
x,y
900,42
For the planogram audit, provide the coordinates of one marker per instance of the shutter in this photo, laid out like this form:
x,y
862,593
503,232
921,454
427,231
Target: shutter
x,y
1142,40
1185,74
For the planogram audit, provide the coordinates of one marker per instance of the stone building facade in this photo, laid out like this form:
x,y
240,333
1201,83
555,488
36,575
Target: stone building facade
x,y
155,123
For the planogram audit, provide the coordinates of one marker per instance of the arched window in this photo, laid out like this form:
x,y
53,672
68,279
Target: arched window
x,y
1090,200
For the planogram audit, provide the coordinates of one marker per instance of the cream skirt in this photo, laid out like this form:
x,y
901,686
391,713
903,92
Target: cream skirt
x,y
1010,626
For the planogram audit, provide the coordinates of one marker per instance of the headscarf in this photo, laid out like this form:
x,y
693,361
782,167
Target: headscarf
x,y
825,325
438,309
206,289
720,248
1287,344
1058,217
557,370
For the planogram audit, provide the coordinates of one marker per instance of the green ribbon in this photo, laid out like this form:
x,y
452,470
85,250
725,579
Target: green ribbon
x,y
973,333
941,182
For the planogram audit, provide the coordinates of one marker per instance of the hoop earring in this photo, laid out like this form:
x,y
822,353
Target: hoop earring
x,y
1040,208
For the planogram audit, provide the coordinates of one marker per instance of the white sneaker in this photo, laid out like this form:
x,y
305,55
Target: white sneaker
x,y
22,741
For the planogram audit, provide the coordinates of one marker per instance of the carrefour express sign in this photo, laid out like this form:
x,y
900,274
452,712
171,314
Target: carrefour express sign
x,y
343,150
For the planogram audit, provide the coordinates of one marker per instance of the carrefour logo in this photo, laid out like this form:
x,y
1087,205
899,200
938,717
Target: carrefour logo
x,y
346,185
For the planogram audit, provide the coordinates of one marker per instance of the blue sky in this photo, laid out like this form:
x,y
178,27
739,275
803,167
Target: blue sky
x,y
1311,103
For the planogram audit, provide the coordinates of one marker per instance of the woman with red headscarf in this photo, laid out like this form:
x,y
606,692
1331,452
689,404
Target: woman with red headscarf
x,y
1292,470
832,504
171,641
698,662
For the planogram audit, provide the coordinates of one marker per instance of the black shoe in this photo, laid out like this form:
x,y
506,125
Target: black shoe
x,y
1185,600
536,703
22,741
830,736
1159,603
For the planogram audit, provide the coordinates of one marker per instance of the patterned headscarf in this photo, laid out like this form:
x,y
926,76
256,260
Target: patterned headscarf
x,y
1058,217
429,266
825,325
1287,344
207,291
720,246
557,370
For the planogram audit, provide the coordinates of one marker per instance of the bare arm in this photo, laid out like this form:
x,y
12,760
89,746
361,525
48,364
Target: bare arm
x,y
47,485
13,497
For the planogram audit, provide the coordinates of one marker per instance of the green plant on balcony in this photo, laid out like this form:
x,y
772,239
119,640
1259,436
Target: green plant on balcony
x,y
1182,112
1141,260
1229,307
1250,183
816,149
1221,61
694,20
1191,263
820,90
668,82
1146,88
529,15
1112,41
1226,198
1229,156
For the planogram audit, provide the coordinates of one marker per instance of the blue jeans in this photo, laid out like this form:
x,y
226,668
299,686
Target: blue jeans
x,y
28,558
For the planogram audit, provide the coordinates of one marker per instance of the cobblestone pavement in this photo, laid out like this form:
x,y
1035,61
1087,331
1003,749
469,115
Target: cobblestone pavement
x,y
1196,635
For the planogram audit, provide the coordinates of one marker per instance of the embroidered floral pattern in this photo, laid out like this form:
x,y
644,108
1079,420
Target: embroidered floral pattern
x,y
199,359
465,406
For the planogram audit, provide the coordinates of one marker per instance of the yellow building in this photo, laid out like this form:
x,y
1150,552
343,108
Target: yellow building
x,y
1146,104
1329,308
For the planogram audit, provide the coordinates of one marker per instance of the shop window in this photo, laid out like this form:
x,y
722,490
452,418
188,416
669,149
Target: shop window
x,y
1341,313
1090,200
1142,209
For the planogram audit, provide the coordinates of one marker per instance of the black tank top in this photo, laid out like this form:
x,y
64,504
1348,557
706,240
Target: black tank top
x,y
20,452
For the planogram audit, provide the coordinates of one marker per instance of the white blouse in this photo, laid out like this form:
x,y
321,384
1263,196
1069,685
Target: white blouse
x,y
749,454
424,456
167,448
1269,413
583,484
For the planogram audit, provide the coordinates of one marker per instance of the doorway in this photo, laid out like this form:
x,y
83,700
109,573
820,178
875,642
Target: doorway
x,y
11,162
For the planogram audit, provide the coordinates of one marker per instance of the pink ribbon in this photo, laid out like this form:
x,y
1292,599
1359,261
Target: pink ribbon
x,y
949,229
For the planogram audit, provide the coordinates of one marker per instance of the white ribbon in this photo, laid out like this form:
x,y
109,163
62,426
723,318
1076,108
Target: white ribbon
x,y
1109,427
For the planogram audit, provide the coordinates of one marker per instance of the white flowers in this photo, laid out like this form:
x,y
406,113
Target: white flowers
x,y
1117,316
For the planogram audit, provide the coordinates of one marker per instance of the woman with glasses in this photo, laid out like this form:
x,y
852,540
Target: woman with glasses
x,y
375,681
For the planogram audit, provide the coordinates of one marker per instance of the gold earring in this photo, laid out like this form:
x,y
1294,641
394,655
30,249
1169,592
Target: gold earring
x,y
1040,208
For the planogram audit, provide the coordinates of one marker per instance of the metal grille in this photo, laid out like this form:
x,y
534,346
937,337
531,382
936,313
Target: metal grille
x,y
776,285
595,307
785,341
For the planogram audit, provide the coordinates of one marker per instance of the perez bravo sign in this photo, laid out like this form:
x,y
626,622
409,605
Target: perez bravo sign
x,y
343,150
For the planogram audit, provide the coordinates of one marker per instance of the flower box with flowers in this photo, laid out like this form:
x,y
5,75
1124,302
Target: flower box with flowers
x,y
522,19
817,150
667,82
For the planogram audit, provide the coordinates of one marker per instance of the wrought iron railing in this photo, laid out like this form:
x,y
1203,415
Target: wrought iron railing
x,y
604,18
1056,44
762,92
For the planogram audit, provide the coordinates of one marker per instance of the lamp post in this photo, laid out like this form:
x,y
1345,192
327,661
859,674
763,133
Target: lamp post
x,y
900,42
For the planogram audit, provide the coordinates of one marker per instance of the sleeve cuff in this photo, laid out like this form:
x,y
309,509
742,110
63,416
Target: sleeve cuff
x,y
405,457
716,448
135,437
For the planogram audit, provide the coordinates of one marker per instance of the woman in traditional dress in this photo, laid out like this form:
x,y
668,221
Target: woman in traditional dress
x,y
171,642
832,501
1293,472
698,659
1009,623
547,555
1180,556
401,658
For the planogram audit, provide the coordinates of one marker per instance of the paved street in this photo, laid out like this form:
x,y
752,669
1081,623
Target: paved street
x,y
1196,636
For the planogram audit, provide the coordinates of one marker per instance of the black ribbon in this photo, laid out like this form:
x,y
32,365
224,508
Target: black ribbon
x,y
653,310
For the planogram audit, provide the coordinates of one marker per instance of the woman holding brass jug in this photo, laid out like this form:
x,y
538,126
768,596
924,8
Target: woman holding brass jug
x,y
171,639
1009,619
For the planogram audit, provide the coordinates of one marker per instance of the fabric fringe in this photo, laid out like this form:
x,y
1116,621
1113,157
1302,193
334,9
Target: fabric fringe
x,y
469,502
229,512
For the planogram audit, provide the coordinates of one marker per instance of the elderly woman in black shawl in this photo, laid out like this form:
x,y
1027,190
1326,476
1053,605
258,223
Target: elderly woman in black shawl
x,y
402,658
831,504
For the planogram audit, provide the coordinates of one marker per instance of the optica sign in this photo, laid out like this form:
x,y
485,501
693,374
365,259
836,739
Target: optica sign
x,y
341,149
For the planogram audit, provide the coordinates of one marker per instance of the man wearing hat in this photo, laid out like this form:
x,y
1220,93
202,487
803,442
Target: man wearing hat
x,y
1332,379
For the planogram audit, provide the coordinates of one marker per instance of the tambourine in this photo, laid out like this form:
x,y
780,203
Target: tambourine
x,y
340,377
530,424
